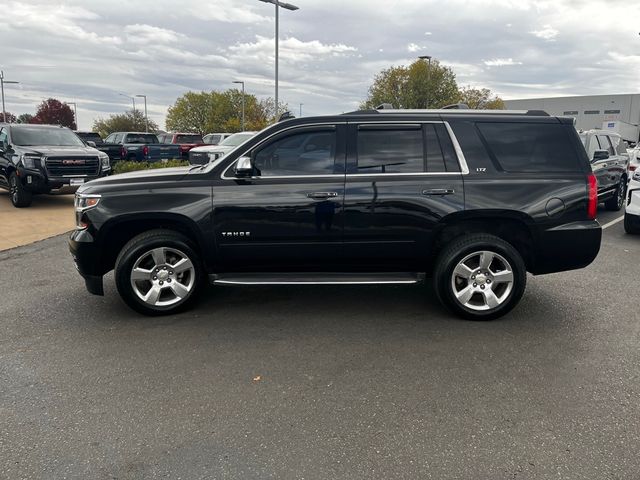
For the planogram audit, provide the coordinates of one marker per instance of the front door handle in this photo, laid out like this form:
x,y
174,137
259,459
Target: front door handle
x,y
439,191
322,195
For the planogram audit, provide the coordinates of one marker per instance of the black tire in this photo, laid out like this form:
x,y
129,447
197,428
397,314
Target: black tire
x,y
140,246
20,196
467,246
616,202
632,224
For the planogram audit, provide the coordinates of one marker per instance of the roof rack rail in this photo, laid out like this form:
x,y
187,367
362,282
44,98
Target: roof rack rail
x,y
385,106
286,116
456,106
455,110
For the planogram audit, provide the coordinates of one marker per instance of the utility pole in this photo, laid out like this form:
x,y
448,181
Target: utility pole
x,y
2,83
427,57
301,109
240,81
146,118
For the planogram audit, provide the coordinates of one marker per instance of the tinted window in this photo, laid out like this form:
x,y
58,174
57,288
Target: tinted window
x,y
141,138
605,144
53,136
90,137
306,153
189,138
529,147
397,150
449,154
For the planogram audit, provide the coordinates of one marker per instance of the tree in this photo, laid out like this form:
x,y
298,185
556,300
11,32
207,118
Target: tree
x,y
480,99
419,85
25,118
131,121
54,112
206,112
11,118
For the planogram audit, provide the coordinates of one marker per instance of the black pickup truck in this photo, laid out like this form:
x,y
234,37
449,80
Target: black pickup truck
x,y
143,147
45,158
472,199
93,139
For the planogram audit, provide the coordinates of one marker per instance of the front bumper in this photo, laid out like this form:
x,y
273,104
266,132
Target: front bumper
x,y
567,247
87,260
38,182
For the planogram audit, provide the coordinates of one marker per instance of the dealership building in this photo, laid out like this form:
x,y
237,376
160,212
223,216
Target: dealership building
x,y
617,112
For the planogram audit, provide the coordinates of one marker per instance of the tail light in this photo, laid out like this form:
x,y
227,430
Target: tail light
x,y
123,153
632,168
145,150
592,205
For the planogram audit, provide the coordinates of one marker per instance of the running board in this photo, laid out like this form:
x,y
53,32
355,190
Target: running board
x,y
315,278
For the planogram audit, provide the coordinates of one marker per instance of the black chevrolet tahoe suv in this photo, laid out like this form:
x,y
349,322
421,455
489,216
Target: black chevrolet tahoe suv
x,y
471,199
45,158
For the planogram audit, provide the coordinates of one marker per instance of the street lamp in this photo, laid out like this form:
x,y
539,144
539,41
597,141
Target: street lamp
x,y
75,113
287,6
146,118
240,81
2,83
427,57
132,99
301,109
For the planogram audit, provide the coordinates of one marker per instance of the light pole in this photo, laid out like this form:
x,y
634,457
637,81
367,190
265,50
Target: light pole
x,y
2,83
240,81
427,57
146,118
132,99
301,109
287,6
75,113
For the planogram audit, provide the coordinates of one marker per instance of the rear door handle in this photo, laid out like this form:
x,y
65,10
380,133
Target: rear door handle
x,y
439,191
322,195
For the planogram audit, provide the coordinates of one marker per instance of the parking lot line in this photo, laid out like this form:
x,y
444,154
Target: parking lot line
x,y
612,222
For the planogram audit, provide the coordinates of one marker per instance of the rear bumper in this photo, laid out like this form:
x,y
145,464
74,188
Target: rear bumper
x,y
567,247
87,260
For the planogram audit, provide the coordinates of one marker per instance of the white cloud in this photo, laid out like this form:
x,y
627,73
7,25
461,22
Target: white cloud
x,y
501,62
412,47
149,34
228,11
546,33
291,49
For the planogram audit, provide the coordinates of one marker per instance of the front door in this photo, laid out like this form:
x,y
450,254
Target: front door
x,y
289,215
402,179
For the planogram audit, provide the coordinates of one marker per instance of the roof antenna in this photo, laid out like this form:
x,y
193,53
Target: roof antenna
x,y
384,106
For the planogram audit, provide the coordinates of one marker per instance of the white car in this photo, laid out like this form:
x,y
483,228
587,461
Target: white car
x,y
634,160
632,210
210,153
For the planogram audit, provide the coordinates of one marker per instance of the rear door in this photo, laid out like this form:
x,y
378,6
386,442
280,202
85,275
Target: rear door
x,y
402,179
289,215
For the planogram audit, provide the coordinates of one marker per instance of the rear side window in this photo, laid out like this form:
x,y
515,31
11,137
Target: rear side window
x,y
529,147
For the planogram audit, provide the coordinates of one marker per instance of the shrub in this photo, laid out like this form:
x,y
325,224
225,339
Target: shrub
x,y
124,166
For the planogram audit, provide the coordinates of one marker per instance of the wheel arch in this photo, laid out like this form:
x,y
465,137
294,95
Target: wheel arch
x,y
511,226
115,233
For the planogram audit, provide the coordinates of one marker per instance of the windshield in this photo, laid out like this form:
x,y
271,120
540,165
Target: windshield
x,y
50,136
141,138
236,139
189,138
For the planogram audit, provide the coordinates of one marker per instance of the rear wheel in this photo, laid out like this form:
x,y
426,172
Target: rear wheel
x,y
20,196
632,223
616,202
480,277
158,273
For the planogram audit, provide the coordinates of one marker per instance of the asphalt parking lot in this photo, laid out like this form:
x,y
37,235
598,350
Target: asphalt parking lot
x,y
320,382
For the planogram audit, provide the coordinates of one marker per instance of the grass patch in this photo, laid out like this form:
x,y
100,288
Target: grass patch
x,y
128,166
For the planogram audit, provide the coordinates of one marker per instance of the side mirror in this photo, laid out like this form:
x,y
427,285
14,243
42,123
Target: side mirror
x,y
244,168
91,143
600,155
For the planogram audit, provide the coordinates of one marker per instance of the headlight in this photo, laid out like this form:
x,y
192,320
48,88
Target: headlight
x,y
214,156
29,161
85,201
104,160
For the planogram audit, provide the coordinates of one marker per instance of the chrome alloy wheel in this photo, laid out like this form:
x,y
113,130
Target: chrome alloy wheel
x,y
622,193
482,280
163,277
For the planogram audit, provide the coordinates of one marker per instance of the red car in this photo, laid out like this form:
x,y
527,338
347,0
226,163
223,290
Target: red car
x,y
187,141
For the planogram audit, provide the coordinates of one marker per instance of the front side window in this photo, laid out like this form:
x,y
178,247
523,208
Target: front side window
x,y
304,153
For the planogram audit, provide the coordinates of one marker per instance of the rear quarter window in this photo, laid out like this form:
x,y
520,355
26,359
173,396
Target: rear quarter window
x,y
529,147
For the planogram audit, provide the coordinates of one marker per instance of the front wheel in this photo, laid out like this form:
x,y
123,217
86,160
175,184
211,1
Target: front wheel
x,y
158,273
480,277
20,196
616,202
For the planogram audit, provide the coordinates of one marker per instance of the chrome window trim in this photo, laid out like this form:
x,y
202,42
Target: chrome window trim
x,y
462,161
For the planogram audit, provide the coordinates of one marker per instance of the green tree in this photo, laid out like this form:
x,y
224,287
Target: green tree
x,y
54,112
206,112
11,118
419,85
25,118
131,121
480,99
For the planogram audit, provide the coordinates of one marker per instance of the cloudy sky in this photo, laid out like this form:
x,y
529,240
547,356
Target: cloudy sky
x,y
89,51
